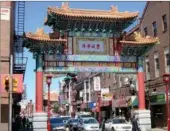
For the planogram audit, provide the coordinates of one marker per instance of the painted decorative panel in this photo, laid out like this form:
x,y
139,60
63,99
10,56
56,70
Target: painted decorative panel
x,y
70,45
94,46
90,34
111,49
91,64
91,69
90,58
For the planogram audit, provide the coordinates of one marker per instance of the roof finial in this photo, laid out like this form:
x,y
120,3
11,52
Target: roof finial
x,y
65,5
114,8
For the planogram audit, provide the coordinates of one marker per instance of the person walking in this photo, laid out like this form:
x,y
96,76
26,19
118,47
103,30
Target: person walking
x,y
135,125
24,122
17,126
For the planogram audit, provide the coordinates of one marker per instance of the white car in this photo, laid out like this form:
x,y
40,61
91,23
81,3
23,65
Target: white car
x,y
83,115
88,124
117,124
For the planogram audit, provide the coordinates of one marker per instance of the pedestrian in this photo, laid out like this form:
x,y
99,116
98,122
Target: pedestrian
x,y
103,124
24,122
135,125
17,126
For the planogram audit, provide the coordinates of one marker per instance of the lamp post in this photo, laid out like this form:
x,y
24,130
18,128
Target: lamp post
x,y
98,106
48,81
166,79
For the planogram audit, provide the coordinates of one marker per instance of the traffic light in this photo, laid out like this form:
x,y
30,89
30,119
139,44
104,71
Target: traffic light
x,y
7,83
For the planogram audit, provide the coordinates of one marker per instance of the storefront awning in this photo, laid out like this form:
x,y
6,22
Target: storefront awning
x,y
158,99
132,101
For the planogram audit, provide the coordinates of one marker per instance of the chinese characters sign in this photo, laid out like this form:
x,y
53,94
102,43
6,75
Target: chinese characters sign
x,y
96,83
91,46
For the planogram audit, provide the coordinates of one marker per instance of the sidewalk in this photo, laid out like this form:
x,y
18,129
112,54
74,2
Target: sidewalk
x,y
158,129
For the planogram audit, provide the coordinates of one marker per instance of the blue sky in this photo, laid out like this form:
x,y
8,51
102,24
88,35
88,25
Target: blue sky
x,y
34,17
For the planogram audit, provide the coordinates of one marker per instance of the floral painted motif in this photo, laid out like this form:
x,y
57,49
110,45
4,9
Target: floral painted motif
x,y
92,69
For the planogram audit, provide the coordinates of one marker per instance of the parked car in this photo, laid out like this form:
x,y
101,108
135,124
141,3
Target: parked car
x,y
65,118
117,124
83,115
88,124
57,124
72,124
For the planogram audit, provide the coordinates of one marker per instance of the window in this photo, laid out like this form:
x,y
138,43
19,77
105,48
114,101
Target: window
x,y
157,63
167,60
147,67
164,20
157,66
87,95
154,29
109,75
109,89
146,31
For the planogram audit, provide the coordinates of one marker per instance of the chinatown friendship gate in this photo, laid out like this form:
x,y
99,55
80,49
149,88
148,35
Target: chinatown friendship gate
x,y
89,41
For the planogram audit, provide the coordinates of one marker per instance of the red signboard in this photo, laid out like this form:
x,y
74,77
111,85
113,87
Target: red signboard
x,y
17,83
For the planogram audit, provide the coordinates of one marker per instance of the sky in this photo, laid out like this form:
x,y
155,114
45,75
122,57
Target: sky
x,y
35,13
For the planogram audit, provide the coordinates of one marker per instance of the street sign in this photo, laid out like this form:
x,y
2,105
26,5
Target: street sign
x,y
97,83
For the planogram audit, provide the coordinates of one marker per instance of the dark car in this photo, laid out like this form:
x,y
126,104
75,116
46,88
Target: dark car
x,y
65,118
72,124
57,124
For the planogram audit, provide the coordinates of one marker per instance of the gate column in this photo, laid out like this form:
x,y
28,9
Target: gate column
x,y
40,117
141,86
142,113
39,83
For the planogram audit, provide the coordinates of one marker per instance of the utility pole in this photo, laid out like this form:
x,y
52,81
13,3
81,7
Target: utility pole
x,y
0,79
10,94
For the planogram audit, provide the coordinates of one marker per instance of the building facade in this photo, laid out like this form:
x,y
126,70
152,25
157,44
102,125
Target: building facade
x,y
10,45
6,49
155,22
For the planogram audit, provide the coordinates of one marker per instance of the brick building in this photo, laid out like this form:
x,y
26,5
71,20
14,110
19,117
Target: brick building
x,y
155,22
6,40
11,45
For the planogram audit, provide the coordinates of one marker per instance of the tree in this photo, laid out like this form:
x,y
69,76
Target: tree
x,y
56,108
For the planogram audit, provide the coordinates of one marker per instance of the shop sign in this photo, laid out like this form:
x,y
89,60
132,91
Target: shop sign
x,y
119,103
105,95
97,84
5,14
159,98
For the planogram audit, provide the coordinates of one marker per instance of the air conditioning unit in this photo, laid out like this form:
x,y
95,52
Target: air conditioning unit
x,y
126,81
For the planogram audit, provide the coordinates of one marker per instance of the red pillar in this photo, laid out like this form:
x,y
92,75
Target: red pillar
x,y
141,86
39,91
141,89
39,83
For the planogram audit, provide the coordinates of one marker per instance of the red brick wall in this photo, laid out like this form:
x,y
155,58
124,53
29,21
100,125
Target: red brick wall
x,y
6,43
154,12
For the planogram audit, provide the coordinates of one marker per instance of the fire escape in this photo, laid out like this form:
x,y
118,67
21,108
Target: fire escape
x,y
19,60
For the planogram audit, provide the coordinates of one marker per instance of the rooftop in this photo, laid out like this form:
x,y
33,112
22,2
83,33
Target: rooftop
x,y
137,39
113,13
42,36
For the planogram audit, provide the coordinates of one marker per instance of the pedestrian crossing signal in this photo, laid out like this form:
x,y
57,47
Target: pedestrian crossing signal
x,y
7,83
